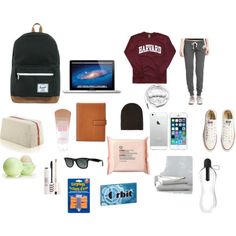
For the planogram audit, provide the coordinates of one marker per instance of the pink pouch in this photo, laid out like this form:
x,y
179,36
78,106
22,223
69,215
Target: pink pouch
x,y
127,155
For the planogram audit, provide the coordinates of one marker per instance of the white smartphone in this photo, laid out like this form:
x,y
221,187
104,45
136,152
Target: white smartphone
x,y
158,130
178,131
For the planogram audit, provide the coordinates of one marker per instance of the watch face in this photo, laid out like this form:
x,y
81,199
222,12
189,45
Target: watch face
x,y
178,131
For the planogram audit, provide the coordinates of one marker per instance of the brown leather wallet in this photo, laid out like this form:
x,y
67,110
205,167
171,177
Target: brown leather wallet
x,y
90,121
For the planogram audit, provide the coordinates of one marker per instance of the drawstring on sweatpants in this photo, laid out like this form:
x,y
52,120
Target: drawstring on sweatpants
x,y
194,44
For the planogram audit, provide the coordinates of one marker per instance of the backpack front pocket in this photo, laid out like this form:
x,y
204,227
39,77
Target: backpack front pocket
x,y
34,82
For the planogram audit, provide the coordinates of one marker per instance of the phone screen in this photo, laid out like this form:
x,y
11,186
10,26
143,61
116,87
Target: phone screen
x,y
178,130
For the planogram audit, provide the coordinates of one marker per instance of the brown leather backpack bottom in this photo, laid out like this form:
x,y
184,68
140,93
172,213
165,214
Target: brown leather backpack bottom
x,y
34,99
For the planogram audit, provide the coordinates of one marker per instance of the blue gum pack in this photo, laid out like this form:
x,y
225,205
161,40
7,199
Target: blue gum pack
x,y
114,194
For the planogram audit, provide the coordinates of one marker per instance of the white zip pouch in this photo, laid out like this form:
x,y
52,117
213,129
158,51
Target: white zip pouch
x,y
25,132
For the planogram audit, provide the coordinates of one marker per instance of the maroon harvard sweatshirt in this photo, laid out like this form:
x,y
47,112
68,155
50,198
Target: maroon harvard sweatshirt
x,y
149,55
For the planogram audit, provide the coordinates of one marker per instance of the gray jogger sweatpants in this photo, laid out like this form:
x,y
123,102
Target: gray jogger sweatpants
x,y
194,47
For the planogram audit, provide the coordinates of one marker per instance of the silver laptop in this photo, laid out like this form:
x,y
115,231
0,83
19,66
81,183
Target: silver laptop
x,y
92,77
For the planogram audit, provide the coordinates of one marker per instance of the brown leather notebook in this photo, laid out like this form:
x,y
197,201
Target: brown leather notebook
x,y
90,121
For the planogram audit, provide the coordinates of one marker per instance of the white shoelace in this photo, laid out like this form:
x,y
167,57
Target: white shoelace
x,y
211,131
199,99
228,131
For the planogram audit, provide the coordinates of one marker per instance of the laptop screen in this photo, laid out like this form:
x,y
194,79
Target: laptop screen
x,y
91,75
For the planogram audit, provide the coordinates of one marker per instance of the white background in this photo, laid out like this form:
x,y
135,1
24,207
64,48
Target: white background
x,y
100,30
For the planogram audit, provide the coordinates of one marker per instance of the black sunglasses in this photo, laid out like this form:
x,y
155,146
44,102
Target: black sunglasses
x,y
80,162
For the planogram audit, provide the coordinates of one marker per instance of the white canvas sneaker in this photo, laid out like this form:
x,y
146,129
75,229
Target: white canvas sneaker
x,y
209,133
199,100
228,131
191,100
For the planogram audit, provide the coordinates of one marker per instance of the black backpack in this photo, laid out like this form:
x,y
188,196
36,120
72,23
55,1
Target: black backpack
x,y
35,76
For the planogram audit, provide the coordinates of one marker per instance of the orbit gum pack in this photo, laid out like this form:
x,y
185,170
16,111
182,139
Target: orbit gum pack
x,y
114,194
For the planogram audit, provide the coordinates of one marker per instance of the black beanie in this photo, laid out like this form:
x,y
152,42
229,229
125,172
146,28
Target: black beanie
x,y
131,117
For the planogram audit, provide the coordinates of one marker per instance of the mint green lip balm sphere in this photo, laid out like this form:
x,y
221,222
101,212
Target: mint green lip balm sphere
x,y
28,166
13,167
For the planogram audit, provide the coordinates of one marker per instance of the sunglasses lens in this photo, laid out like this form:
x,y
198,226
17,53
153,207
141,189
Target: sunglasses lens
x,y
69,162
82,163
